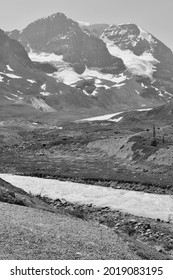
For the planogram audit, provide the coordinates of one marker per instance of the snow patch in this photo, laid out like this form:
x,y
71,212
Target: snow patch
x,y
9,98
43,87
97,81
31,81
15,95
12,76
116,120
44,57
1,79
39,104
147,109
160,93
142,85
119,85
67,76
9,68
138,65
145,35
45,93
100,118
96,74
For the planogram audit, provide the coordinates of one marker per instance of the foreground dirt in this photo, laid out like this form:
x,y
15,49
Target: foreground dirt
x,y
141,233
28,233
47,229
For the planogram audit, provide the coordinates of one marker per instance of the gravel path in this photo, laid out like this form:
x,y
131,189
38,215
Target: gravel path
x,y
27,233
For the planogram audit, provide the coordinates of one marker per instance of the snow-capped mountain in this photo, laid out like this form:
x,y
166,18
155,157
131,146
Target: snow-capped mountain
x,y
62,36
25,89
142,53
91,67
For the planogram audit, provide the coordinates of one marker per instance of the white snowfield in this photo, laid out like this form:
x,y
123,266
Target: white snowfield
x,y
66,74
147,109
45,93
13,76
9,68
10,75
108,117
138,65
136,203
100,118
31,81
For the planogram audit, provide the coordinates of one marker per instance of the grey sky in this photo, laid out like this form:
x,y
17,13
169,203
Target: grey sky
x,y
155,16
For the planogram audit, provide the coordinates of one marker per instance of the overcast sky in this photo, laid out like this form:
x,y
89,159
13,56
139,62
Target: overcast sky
x,y
155,16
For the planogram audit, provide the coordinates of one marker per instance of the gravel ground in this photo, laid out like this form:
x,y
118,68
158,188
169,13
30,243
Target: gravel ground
x,y
27,233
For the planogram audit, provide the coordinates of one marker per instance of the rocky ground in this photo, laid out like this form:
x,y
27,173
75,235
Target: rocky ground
x,y
154,233
38,228
103,153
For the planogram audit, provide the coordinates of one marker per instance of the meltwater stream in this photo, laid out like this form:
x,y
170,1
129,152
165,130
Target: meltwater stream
x,y
133,202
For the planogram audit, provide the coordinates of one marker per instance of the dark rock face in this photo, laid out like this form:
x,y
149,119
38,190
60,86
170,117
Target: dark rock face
x,y
131,37
63,36
11,48
96,29
45,67
87,85
126,37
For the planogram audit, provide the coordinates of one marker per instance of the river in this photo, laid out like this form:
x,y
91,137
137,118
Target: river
x,y
132,202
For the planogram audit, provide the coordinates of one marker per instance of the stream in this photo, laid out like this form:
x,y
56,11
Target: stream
x,y
133,202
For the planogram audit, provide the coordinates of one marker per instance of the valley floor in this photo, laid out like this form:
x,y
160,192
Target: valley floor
x,y
118,155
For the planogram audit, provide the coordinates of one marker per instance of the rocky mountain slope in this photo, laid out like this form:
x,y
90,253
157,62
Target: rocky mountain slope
x,y
63,36
142,44
23,87
97,67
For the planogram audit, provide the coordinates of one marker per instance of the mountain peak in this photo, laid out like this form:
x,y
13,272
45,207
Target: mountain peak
x,y
128,31
52,17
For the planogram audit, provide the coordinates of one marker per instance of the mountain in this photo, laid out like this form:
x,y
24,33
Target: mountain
x,y
140,44
62,36
96,67
97,29
25,90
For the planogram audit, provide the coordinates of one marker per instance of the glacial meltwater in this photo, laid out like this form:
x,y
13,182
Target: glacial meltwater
x,y
133,202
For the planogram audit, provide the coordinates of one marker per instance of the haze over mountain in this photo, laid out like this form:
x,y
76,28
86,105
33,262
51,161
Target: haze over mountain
x,y
87,66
